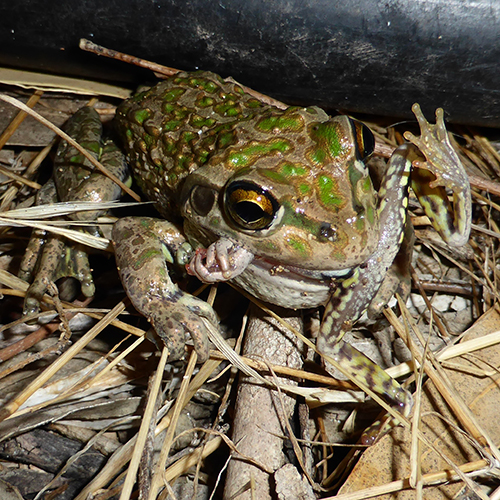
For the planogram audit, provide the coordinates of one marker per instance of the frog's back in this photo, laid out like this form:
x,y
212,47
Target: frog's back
x,y
172,129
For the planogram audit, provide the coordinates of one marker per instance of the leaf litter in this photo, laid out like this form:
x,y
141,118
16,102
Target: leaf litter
x,y
100,382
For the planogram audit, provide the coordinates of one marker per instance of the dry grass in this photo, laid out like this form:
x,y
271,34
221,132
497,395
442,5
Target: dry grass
x,y
46,377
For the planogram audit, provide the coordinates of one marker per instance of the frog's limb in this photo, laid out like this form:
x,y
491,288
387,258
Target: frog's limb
x,y
50,257
58,260
398,277
45,196
143,246
96,187
31,254
221,261
351,296
441,170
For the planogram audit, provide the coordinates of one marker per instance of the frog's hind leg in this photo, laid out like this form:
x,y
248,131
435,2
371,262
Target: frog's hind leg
x,y
354,364
398,277
48,256
352,295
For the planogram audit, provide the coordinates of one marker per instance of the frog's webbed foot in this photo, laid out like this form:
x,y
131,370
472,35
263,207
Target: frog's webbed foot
x,y
441,170
172,314
49,257
359,368
221,261
57,260
143,246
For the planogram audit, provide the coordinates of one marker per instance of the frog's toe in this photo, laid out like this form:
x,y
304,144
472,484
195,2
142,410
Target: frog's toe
x,y
82,271
34,296
171,325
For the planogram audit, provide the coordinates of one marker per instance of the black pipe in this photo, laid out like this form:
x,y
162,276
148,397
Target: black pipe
x,y
369,56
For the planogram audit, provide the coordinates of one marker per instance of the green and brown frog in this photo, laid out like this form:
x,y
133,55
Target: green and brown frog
x,y
277,201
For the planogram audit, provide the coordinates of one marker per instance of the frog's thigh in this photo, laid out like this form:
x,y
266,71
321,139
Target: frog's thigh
x,y
398,278
142,247
98,186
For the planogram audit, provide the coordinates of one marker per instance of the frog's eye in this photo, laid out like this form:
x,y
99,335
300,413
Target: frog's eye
x,y
365,140
249,206
202,199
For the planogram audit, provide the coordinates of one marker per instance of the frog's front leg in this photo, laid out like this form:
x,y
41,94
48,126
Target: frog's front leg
x,y
143,247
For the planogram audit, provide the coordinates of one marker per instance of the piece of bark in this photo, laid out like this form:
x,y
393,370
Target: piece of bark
x,y
290,485
258,418
48,451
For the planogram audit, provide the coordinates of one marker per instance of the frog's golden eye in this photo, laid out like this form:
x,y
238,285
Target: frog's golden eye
x,y
202,199
249,206
365,140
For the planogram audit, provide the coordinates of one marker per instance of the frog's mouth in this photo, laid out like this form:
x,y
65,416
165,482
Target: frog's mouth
x,y
288,286
275,268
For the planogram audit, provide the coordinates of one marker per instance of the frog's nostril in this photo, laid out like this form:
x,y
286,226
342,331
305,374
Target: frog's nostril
x,y
327,232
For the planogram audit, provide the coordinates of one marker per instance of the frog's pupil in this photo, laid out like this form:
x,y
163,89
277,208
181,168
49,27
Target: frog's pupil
x,y
250,212
202,200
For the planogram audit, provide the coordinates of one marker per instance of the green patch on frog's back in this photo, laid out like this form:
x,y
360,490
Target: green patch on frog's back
x,y
247,155
138,116
286,172
294,169
281,123
253,104
173,94
204,101
327,145
176,112
200,122
231,109
199,80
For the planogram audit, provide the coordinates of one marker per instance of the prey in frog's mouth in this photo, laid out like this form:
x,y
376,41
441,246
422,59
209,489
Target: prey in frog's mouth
x,y
224,260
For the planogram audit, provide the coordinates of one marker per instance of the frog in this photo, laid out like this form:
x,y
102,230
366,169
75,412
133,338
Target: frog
x,y
278,201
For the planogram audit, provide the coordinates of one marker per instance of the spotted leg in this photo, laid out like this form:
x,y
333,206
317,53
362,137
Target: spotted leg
x,y
49,257
441,170
352,296
143,247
